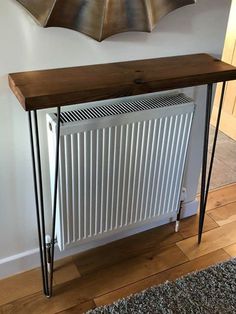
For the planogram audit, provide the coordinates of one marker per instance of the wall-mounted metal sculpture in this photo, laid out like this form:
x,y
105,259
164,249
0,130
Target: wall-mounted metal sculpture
x,y
100,19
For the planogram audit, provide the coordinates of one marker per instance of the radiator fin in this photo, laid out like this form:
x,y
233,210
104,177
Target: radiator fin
x,y
124,107
122,175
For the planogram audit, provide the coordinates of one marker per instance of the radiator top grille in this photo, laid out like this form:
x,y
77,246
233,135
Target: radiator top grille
x,y
124,107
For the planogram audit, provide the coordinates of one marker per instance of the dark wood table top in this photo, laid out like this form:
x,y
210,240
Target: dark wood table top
x,y
66,86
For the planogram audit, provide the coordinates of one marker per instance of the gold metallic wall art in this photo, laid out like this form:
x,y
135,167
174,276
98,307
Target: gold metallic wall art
x,y
100,19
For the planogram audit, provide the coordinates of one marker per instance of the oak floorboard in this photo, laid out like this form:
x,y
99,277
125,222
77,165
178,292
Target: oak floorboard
x,y
211,241
79,309
189,226
221,196
127,266
124,249
19,286
101,282
170,274
231,250
38,304
65,270
224,214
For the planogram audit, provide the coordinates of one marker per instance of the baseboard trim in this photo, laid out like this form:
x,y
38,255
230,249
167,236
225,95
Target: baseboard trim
x,y
27,260
19,263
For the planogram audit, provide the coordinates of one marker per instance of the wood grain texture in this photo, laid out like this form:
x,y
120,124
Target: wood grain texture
x,y
223,215
80,308
212,240
231,250
189,226
81,290
20,286
61,87
65,270
221,197
122,267
146,242
170,274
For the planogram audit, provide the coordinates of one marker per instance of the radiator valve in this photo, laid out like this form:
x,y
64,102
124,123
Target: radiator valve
x,y
48,252
182,199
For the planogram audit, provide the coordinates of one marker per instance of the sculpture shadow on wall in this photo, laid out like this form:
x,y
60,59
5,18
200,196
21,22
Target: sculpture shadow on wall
x,y
102,18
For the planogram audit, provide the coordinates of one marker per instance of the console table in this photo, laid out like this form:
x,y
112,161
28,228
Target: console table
x,y
44,89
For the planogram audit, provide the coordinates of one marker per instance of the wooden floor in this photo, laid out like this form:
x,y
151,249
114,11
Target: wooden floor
x,y
103,275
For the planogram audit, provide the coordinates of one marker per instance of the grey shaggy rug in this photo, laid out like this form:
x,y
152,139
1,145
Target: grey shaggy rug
x,y
212,291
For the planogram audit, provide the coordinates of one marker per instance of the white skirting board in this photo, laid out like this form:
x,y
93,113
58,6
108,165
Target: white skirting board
x,y
27,260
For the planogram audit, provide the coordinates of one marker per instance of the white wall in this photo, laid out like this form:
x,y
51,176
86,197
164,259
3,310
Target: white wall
x,y
25,46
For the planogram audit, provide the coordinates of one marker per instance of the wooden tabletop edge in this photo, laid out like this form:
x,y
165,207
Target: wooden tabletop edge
x,y
117,62
16,91
25,85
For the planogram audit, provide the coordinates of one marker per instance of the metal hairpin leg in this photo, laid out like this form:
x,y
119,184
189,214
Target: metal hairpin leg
x,y
205,182
47,276
55,200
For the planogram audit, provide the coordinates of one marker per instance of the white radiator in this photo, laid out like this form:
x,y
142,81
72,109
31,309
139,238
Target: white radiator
x,y
121,165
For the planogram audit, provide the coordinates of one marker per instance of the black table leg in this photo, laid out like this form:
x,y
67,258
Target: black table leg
x,y
55,200
47,276
205,182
